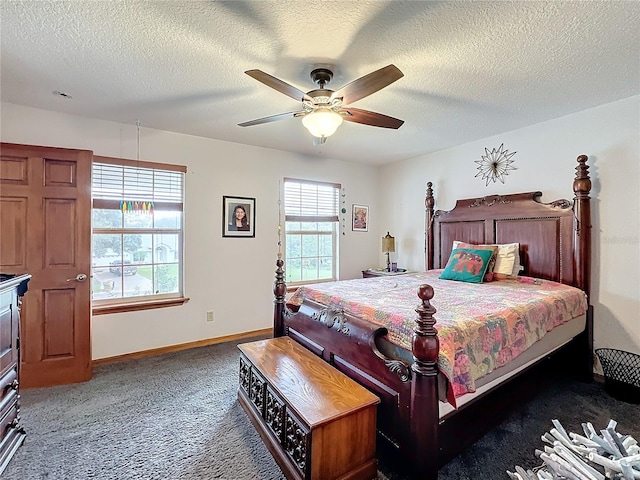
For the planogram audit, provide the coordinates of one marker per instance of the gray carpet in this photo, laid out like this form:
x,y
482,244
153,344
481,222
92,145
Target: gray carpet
x,y
176,416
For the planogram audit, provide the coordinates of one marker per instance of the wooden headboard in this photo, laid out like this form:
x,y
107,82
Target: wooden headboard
x,y
554,237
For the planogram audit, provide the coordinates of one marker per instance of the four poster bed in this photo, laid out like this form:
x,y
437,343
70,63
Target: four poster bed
x,y
413,376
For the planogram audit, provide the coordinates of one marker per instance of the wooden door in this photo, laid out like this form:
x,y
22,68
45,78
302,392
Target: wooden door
x,y
45,230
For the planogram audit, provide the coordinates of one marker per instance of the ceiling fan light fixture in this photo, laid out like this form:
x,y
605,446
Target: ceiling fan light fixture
x,y
322,123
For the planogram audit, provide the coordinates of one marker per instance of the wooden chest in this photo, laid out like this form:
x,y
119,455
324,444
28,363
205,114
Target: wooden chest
x,y
317,423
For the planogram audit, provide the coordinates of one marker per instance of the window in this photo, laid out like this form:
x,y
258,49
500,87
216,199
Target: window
x,y
311,230
137,232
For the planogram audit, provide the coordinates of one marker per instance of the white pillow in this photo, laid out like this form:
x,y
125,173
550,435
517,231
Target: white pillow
x,y
507,259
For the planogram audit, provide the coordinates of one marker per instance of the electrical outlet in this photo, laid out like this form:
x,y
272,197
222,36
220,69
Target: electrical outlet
x,y
210,316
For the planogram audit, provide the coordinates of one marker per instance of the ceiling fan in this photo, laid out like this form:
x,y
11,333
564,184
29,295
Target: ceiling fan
x,y
323,110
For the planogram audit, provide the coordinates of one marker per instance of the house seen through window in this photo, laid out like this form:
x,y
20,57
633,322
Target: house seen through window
x,y
311,231
137,227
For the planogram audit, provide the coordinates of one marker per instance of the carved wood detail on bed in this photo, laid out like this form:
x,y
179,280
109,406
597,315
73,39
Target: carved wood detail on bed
x,y
555,244
364,333
357,356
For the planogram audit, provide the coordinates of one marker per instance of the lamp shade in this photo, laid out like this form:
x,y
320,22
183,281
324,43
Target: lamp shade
x,y
388,243
322,123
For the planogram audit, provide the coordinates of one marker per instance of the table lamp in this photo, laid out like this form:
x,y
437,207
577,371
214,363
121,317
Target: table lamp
x,y
388,246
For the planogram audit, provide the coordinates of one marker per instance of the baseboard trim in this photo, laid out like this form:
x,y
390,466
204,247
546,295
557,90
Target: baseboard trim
x,y
183,346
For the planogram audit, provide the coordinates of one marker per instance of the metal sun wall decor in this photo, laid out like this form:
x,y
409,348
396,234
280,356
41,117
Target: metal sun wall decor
x,y
495,164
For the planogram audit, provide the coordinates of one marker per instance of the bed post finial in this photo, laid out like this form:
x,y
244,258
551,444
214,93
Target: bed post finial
x,y
424,343
429,203
582,182
582,212
279,290
424,417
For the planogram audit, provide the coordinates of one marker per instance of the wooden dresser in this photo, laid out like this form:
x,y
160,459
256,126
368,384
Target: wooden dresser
x,y
317,423
12,288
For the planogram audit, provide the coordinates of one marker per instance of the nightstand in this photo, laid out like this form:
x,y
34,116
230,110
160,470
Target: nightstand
x,y
375,272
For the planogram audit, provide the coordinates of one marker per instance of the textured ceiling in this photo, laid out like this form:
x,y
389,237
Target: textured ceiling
x,y
471,69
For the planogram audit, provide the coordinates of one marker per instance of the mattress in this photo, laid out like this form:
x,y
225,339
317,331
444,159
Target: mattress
x,y
552,341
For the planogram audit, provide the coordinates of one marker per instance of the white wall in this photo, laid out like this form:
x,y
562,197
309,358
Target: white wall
x,y
232,276
545,161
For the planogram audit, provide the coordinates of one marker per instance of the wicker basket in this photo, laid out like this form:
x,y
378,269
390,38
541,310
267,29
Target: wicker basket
x,y
621,374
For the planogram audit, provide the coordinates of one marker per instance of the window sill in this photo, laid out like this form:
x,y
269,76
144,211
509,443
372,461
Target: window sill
x,y
134,306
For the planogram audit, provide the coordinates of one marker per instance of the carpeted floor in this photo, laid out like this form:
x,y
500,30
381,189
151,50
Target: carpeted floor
x,y
176,416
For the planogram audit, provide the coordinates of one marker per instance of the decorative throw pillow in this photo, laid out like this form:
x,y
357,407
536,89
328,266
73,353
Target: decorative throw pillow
x,y
508,261
507,264
488,276
467,265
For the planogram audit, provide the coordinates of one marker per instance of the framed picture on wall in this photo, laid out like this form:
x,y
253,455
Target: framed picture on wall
x,y
238,216
360,218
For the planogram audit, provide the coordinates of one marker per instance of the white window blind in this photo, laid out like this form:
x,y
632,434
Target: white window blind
x,y
122,182
310,201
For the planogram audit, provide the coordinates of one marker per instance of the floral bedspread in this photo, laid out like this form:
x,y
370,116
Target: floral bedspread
x,y
480,326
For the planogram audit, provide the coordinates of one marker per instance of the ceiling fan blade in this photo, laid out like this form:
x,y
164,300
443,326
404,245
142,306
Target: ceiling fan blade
x,y
374,119
368,84
272,118
277,84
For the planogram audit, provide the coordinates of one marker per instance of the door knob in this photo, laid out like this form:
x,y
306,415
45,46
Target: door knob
x,y
81,277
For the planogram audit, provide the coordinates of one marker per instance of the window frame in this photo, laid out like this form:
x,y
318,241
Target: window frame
x,y
327,217
125,304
